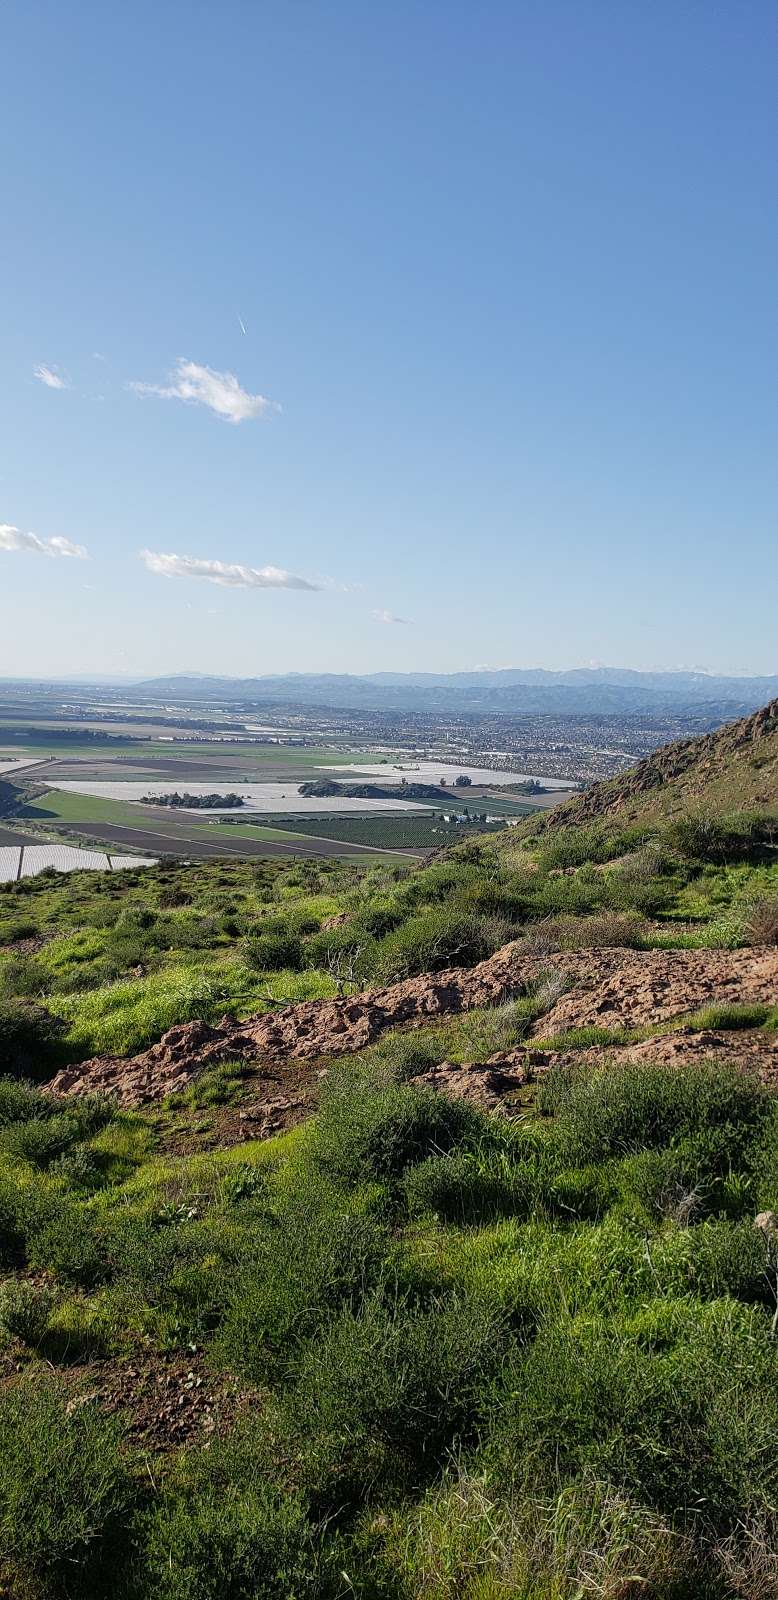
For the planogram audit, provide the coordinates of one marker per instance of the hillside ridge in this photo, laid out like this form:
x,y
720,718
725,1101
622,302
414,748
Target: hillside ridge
x,y
733,768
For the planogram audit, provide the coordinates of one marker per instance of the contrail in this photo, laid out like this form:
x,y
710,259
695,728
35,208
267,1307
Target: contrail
x,y
242,325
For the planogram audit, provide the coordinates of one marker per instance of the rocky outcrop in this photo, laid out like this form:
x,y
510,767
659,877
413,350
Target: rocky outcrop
x,y
612,988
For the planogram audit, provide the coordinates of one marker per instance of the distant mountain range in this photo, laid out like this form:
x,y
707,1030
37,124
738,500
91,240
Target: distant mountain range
x,y
516,692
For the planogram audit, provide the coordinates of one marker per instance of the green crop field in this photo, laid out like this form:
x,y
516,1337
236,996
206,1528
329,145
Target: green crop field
x,y
394,832
61,805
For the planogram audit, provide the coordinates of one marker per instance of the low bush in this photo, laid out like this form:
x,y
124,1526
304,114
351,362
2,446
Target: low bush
x,y
212,1543
618,1109
39,1140
63,1238
25,1309
761,922
65,1493
385,1394
605,930
273,952
435,940
20,1102
370,1128
474,1187
28,1039
12,1223
648,1407
303,1268
701,837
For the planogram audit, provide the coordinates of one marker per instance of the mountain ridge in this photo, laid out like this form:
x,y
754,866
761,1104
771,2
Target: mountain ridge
x,y
509,691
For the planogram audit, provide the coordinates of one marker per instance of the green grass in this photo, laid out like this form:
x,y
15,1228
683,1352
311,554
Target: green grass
x,y
61,805
391,831
243,830
492,1361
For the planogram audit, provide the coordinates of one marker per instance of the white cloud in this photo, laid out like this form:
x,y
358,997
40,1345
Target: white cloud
x,y
389,618
230,574
12,539
220,391
51,376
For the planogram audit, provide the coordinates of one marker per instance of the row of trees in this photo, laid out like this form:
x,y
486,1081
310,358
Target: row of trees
x,y
194,802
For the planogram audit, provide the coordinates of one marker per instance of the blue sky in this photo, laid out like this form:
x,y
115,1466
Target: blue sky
x,y
509,279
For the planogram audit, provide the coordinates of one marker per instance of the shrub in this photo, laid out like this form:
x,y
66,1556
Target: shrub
x,y
649,1406
574,847
406,1055
39,1141
618,1109
25,1309
273,952
348,951
370,1128
385,1394
11,1223
217,1544
65,1493
608,929
700,837
718,1257
435,940
28,1037
21,977
303,1269
19,1101
761,924
469,1187
62,1237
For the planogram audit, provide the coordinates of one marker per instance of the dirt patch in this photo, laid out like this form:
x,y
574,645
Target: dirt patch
x,y
162,1401
639,988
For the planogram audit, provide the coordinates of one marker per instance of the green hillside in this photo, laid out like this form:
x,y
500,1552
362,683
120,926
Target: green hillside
x,y
474,1309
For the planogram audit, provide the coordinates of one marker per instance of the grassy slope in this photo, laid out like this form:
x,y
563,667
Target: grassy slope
x,y
475,1361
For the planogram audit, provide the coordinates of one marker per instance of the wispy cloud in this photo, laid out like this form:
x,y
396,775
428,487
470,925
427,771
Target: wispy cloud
x,y
230,574
12,539
220,391
389,618
51,376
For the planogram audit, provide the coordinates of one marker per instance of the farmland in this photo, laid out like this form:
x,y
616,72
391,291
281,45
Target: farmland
x,y
411,832
86,785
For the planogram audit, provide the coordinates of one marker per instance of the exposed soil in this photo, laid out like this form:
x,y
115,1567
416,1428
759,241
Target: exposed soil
x,y
163,1401
501,1084
638,988
606,988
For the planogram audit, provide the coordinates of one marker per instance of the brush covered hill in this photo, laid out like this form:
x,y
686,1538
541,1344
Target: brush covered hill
x,y
733,769
407,1233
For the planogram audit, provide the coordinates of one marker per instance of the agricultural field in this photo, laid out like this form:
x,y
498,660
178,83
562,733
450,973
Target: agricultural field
x,y
279,799
447,771
27,860
397,833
